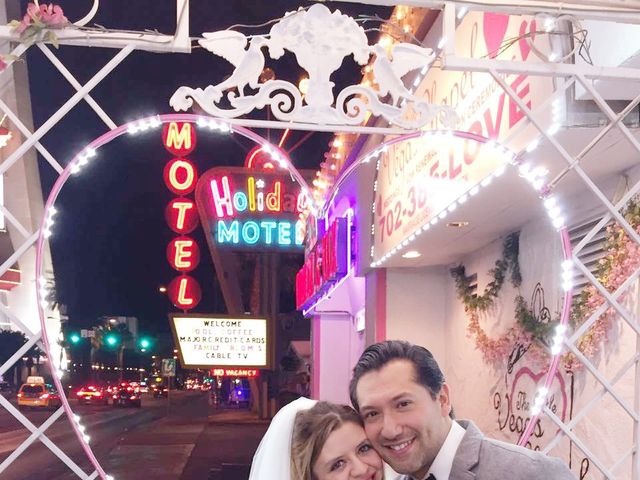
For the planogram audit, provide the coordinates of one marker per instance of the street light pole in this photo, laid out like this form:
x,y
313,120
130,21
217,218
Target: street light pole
x,y
120,362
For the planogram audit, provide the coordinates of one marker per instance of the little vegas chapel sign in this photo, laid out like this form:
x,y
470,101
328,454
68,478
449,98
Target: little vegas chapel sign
x,y
244,209
421,177
215,341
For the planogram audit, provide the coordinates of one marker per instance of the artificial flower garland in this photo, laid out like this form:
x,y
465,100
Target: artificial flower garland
x,y
527,331
38,18
621,260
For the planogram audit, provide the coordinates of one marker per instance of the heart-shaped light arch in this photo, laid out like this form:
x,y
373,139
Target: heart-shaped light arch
x,y
74,167
536,177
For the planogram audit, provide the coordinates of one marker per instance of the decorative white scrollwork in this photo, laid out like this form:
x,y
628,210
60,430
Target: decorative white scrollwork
x,y
320,41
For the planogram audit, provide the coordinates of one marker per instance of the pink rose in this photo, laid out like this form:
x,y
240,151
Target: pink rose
x,y
53,16
3,64
33,12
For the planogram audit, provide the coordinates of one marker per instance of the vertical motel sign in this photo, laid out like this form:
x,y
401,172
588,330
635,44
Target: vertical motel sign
x,y
180,177
251,210
326,263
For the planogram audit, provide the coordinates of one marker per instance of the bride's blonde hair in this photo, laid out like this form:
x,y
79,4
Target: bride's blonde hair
x,y
311,429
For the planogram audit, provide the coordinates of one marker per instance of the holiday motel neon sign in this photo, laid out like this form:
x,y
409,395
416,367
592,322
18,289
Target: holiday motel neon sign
x,y
247,209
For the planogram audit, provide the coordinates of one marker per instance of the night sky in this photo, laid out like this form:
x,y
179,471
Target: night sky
x,y
110,239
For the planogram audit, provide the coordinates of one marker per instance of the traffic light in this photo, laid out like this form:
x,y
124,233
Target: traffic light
x,y
144,343
74,338
111,339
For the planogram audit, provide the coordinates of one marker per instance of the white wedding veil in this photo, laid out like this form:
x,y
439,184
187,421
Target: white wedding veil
x,y
272,460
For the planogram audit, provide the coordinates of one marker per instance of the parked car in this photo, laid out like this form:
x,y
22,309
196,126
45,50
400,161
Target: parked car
x,y
37,394
126,396
92,394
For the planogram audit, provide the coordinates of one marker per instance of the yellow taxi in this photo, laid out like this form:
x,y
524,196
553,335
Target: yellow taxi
x,y
35,393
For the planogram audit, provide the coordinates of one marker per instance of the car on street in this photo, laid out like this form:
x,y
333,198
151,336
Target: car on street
x,y
35,393
92,394
126,396
160,390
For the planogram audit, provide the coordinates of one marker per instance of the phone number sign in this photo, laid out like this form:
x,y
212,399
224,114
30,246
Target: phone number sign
x,y
419,178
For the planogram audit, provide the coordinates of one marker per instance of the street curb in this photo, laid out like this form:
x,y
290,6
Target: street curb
x,y
221,419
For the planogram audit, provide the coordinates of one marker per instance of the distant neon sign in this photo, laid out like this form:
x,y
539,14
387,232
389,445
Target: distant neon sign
x,y
180,176
326,263
235,372
253,210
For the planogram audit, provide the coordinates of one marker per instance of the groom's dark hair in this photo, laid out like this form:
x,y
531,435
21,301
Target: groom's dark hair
x,y
376,356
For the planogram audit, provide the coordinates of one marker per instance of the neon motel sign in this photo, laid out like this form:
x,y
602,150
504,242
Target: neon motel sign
x,y
250,210
325,265
180,177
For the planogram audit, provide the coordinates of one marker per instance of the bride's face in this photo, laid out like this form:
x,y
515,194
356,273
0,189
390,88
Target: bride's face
x,y
348,455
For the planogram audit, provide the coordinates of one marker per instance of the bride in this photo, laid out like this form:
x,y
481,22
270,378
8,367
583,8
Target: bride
x,y
309,440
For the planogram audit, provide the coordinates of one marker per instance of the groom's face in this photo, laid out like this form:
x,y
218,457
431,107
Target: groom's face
x,y
405,424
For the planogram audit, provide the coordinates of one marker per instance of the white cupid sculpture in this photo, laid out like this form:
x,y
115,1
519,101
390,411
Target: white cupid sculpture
x,y
320,40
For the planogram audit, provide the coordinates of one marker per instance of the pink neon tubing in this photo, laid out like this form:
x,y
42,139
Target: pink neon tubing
x,y
564,320
564,237
55,191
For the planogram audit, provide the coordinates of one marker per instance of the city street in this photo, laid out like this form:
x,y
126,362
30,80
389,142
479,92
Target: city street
x,y
162,440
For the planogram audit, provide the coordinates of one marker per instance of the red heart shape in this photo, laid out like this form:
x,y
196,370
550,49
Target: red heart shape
x,y
525,43
494,28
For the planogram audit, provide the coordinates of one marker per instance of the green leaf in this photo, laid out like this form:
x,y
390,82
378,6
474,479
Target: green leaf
x,y
51,37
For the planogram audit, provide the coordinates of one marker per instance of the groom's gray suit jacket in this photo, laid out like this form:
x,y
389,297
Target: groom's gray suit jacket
x,y
481,458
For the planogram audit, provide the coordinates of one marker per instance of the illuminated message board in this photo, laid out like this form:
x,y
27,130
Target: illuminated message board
x,y
206,341
245,209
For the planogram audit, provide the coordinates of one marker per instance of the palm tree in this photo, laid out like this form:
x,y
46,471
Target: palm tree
x,y
10,342
124,340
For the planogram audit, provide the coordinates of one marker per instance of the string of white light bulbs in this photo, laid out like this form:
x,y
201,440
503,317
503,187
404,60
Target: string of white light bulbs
x,y
75,167
536,176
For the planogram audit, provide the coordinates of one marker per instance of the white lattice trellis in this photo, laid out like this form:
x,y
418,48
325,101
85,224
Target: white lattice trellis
x,y
567,74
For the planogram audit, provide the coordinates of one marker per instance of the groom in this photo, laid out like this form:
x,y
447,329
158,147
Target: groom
x,y
400,392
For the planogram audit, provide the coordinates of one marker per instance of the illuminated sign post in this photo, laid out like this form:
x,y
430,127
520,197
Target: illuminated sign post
x,y
231,343
249,210
180,176
326,263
